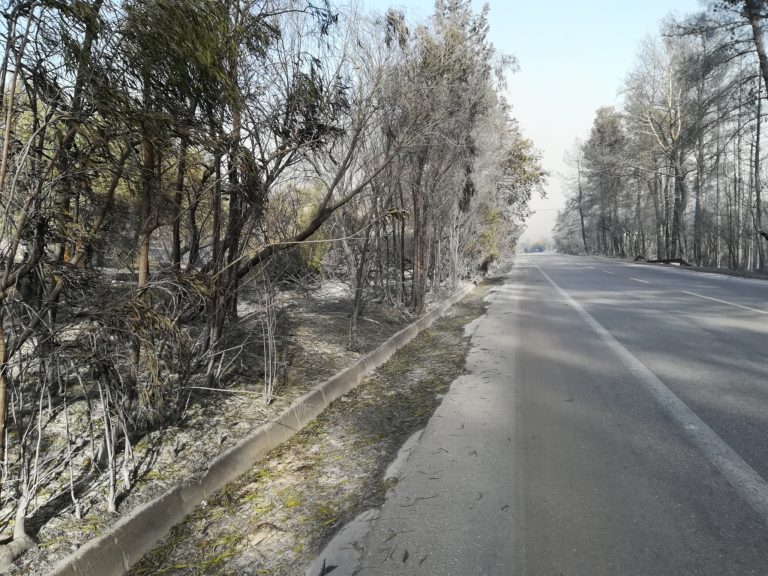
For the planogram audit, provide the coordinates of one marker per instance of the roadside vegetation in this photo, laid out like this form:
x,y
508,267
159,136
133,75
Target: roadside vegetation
x,y
277,518
180,180
678,172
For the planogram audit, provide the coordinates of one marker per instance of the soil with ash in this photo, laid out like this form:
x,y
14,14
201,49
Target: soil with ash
x,y
314,345
277,518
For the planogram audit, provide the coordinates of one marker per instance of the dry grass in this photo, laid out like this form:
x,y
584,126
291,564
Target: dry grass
x,y
276,519
307,488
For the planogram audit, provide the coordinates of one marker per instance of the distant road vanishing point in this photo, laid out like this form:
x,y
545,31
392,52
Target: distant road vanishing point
x,y
614,421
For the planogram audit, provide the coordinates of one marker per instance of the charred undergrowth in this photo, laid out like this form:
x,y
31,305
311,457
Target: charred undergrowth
x,y
276,518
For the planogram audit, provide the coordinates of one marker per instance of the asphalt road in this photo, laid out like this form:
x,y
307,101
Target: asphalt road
x,y
614,421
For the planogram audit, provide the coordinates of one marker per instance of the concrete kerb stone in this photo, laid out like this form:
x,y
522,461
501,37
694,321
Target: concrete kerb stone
x,y
428,319
404,336
113,553
379,356
109,555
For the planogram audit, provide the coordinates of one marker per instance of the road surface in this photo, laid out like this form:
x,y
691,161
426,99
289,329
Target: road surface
x,y
614,421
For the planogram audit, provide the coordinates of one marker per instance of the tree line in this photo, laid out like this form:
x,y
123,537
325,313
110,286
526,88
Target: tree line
x,y
158,157
677,172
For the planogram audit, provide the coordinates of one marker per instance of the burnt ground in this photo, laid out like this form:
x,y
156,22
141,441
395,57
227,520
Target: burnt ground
x,y
276,518
307,488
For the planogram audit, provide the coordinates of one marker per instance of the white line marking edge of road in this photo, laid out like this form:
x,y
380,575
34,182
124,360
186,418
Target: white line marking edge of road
x,y
744,479
638,280
697,273
726,302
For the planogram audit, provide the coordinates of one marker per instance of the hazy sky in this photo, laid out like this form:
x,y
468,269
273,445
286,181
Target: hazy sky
x,y
573,56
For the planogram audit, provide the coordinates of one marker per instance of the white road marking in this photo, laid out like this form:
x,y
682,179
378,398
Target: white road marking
x,y
611,273
748,483
726,302
698,274
638,280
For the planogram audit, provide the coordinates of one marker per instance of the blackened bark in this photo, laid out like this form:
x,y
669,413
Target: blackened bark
x,y
178,195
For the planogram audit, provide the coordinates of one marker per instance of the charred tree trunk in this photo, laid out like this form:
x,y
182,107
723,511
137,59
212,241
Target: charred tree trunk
x,y
144,239
178,196
677,249
752,11
697,224
360,276
758,189
418,281
581,215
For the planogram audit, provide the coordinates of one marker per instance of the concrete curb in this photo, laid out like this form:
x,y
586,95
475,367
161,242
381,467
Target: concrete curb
x,y
114,552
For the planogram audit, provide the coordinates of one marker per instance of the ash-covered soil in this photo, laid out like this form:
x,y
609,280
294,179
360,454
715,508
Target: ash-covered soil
x,y
276,519
314,330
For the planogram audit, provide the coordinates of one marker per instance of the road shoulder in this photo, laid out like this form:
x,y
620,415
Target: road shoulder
x,y
277,517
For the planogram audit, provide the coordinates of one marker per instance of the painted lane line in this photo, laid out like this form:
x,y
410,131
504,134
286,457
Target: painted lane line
x,y
698,274
638,280
748,483
611,273
726,302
